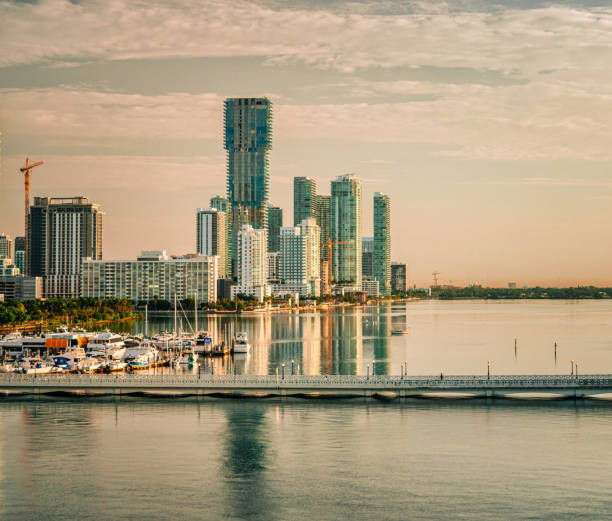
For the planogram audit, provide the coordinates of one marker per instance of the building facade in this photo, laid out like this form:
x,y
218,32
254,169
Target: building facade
x,y
323,220
21,287
304,199
211,236
382,242
153,275
275,222
62,232
251,263
398,277
273,266
367,257
7,247
248,139
345,210
223,205
370,287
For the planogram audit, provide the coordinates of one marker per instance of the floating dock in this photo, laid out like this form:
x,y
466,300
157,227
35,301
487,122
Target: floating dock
x,y
378,387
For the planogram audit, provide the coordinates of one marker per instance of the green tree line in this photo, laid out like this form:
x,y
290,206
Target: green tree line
x,y
68,311
479,292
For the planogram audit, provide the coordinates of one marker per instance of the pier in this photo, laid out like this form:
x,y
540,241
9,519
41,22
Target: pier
x,y
302,386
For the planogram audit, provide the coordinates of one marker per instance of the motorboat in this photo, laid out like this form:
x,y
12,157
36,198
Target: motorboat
x,y
69,360
203,343
8,367
34,366
142,357
115,366
90,364
241,343
106,345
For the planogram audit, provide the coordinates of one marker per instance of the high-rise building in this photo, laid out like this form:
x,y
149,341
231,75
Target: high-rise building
x,y
152,275
211,236
20,253
311,230
398,277
304,199
62,232
367,257
20,287
299,259
222,204
273,267
20,243
323,220
7,247
382,242
251,263
248,138
346,229
275,222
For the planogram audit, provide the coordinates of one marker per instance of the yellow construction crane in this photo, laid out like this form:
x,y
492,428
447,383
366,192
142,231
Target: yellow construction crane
x,y
329,245
26,175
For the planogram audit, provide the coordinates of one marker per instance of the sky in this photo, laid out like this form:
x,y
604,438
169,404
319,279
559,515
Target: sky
x,y
487,123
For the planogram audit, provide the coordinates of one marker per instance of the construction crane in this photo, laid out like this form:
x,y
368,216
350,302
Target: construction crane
x,y
435,278
26,176
329,245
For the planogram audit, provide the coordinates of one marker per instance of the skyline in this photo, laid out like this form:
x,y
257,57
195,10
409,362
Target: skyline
x,y
487,125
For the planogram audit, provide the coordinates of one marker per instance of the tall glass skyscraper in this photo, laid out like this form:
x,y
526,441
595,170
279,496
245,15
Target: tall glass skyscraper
x,y
382,242
304,199
248,138
275,222
323,220
346,228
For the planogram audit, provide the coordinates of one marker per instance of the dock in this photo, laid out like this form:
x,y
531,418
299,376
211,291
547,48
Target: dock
x,y
303,386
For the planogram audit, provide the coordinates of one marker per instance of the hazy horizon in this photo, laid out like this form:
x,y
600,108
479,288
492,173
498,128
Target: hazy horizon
x,y
487,123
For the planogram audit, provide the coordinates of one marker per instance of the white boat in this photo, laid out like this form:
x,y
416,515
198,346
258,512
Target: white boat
x,y
115,366
8,367
142,356
241,343
34,366
106,345
69,360
91,364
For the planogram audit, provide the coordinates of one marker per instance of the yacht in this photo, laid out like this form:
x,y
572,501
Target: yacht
x,y
241,343
90,364
69,360
34,366
143,356
106,345
203,343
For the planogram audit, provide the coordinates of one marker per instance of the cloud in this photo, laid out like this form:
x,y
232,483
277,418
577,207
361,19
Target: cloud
x,y
543,119
514,40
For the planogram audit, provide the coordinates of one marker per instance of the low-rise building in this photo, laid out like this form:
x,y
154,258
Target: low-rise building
x,y
20,287
370,287
152,275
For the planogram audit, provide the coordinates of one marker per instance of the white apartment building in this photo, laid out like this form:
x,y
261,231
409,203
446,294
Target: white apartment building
x,y
251,263
152,275
211,235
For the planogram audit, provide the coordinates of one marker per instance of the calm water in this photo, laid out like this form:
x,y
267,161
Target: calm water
x,y
452,337
142,459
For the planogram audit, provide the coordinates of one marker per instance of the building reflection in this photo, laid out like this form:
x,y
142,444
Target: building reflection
x,y
244,462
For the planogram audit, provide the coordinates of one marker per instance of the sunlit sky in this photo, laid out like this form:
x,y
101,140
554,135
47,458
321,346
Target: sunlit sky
x,y
488,123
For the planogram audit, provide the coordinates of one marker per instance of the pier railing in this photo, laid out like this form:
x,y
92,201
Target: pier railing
x,y
527,382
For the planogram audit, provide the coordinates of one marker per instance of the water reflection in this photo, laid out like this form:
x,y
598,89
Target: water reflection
x,y
244,462
450,337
